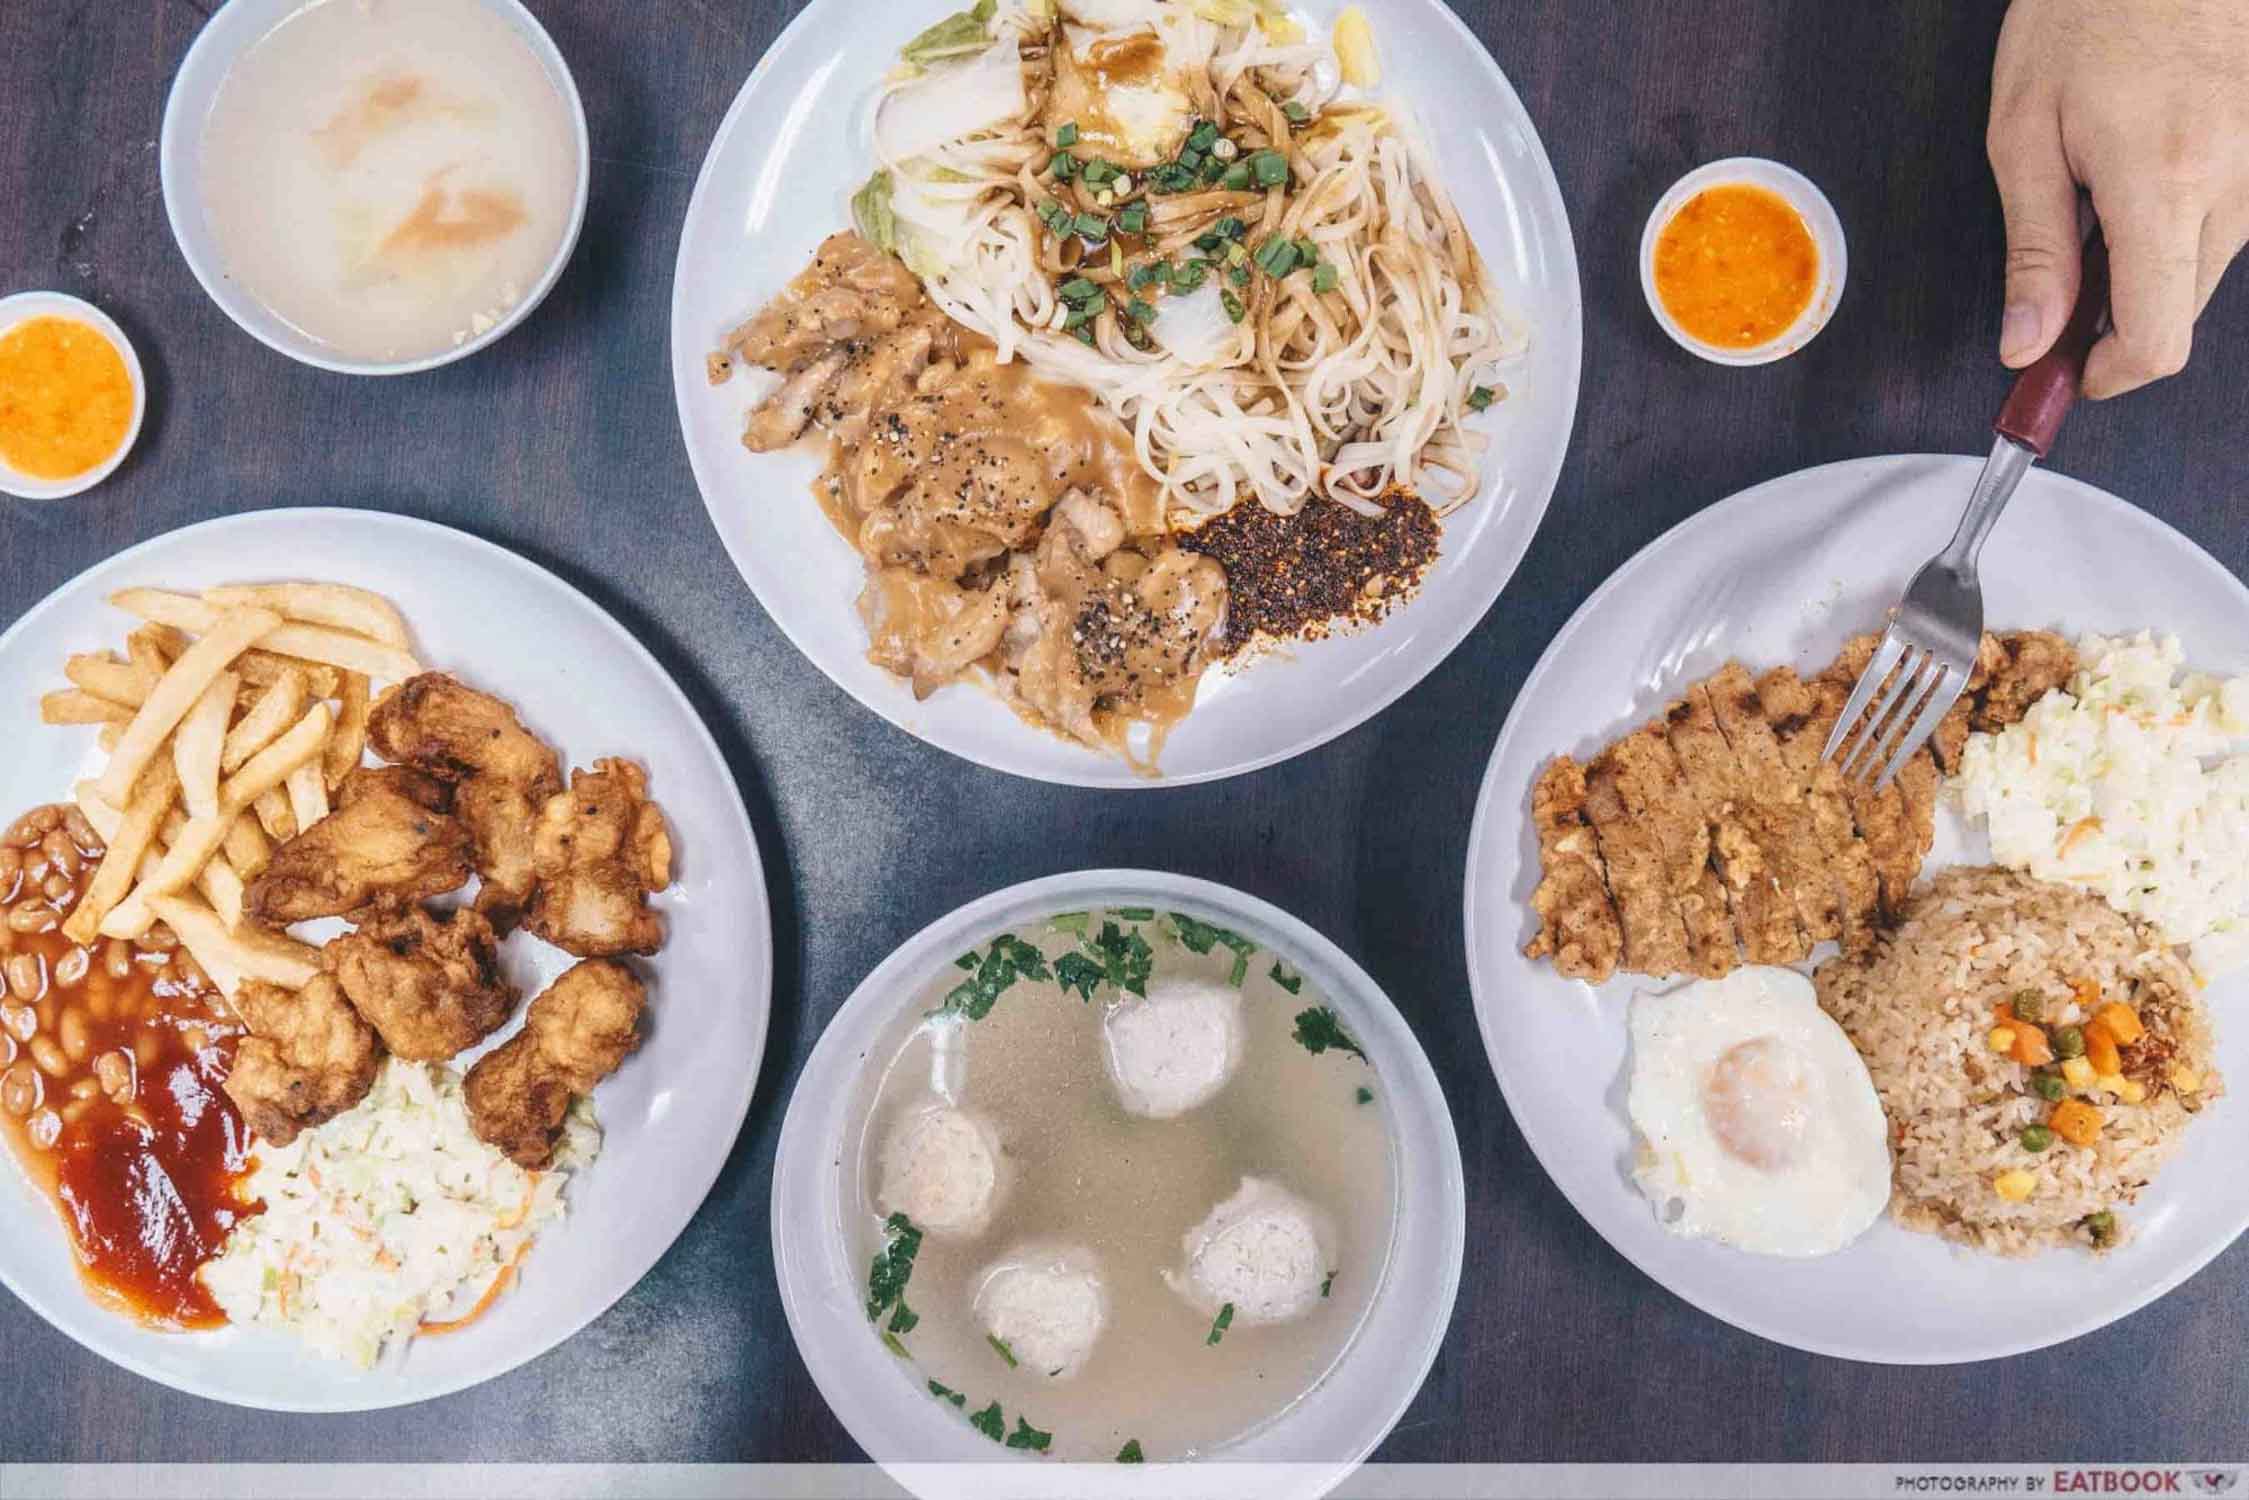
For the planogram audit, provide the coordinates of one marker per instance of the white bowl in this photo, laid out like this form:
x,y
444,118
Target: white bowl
x,y
232,30
923,1443
27,305
1819,217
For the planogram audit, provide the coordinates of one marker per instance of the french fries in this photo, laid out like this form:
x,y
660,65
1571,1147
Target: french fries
x,y
349,743
197,744
345,608
275,710
318,643
71,706
229,720
104,676
231,956
308,792
231,635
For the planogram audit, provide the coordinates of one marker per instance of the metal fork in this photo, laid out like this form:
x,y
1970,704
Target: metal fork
x,y
1936,631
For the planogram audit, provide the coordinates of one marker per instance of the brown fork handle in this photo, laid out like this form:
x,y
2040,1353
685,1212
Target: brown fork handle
x,y
2043,393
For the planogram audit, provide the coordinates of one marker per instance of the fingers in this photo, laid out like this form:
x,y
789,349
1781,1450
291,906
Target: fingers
x,y
2039,198
2155,259
2223,237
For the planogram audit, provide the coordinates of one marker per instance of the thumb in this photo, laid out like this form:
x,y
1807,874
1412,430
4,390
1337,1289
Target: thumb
x,y
2038,196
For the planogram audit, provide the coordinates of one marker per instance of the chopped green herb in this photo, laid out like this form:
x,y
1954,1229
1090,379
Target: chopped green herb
x,y
893,1266
1027,1436
1160,272
1317,1030
1074,971
1190,158
1091,227
1277,256
1010,959
947,1393
1240,274
1171,177
957,35
1240,970
1365,1094
1063,165
1297,113
1130,1453
1190,275
1293,983
1137,913
1328,1286
1000,1344
1084,336
1078,317
966,960
890,1342
1201,937
1070,922
1233,306
990,1422
1324,278
871,213
1481,397
1235,178
1212,170
1203,136
1099,173
1220,1324
1139,311
1081,289
905,1319
1066,134
1125,957
1139,276
1269,167
1133,218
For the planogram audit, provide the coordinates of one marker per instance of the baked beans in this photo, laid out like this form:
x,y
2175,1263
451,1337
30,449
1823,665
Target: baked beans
x,y
112,1057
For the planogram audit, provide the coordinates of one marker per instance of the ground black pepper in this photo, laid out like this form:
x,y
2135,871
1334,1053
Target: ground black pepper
x,y
1299,577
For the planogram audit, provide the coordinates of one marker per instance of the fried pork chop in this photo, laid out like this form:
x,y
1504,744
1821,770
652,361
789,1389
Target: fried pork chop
x,y
574,1035
380,847
1715,835
430,985
308,1057
501,774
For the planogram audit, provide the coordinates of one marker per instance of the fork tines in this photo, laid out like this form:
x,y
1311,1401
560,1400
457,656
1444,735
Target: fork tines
x,y
1906,689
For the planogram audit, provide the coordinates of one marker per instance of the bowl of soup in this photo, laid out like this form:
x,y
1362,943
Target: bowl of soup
x,y
375,187
1118,1167
1743,261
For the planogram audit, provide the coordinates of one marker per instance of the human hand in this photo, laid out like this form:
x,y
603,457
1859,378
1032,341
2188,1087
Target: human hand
x,y
2145,103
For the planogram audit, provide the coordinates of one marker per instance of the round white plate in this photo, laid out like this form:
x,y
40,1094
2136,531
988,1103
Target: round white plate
x,y
778,180
1785,572
670,1114
881,1400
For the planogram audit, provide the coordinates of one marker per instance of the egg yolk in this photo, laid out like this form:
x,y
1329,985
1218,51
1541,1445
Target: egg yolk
x,y
65,398
1757,1102
1736,266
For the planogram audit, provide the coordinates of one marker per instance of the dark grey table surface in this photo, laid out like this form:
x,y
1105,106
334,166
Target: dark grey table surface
x,y
562,444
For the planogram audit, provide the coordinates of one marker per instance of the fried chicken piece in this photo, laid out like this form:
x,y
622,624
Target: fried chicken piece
x,y
601,850
308,1057
501,772
574,1035
430,985
378,848
417,787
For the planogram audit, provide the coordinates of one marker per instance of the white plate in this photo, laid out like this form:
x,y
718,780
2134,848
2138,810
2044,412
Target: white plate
x,y
881,1400
1784,573
778,180
670,1113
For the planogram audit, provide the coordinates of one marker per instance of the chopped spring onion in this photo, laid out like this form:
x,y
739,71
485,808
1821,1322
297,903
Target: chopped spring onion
x,y
1297,113
1481,397
1091,227
1133,218
1236,177
1066,134
1063,165
1324,277
1269,167
1233,305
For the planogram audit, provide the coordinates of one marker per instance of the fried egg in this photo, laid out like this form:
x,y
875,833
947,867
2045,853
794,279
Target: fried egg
x,y
1758,1124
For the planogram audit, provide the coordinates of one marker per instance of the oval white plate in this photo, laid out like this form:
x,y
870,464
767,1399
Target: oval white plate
x,y
1785,572
778,180
670,1114
881,1400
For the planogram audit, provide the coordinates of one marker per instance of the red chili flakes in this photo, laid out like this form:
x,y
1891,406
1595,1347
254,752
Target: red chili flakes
x,y
1326,567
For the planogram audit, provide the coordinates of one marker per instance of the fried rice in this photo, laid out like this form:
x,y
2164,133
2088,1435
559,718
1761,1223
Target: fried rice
x,y
1922,1006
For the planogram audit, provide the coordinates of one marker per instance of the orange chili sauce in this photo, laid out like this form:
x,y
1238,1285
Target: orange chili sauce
x,y
148,1193
1736,266
66,400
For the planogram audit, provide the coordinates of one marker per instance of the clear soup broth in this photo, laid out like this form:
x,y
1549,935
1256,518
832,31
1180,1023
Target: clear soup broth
x,y
1016,1043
